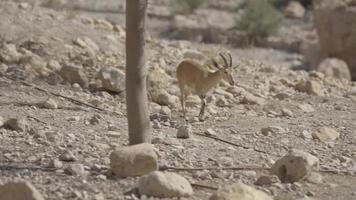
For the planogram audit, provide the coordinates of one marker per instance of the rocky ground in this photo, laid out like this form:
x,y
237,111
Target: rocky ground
x,y
51,59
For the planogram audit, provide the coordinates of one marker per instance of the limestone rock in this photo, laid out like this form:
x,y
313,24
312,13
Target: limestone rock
x,y
48,104
184,131
134,160
312,87
9,54
272,130
163,98
164,185
294,9
336,27
267,180
112,79
67,156
74,74
252,99
16,124
306,107
240,191
3,68
335,68
2,121
325,134
294,166
75,170
19,191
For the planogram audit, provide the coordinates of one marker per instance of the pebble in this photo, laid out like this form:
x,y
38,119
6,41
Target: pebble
x,y
184,132
67,156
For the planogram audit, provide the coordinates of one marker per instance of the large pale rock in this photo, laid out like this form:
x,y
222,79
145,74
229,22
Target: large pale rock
x,y
294,9
134,160
164,185
239,191
335,68
158,78
112,79
336,26
19,191
252,99
74,74
325,134
294,166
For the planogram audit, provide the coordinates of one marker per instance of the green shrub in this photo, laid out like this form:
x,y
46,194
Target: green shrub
x,y
186,6
260,19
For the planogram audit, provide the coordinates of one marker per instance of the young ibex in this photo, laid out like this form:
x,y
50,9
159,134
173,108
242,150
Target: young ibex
x,y
194,78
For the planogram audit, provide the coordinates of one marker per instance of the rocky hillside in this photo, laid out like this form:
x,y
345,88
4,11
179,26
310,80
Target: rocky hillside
x,y
280,132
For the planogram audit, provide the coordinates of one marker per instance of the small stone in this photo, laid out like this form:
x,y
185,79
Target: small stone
x,y
156,124
252,99
326,134
210,132
75,170
19,191
306,134
113,134
267,180
9,53
239,191
306,108
312,87
95,119
184,132
74,118
286,112
48,104
16,124
294,166
166,111
54,65
164,185
104,24
3,68
112,79
67,156
315,177
74,74
272,130
163,98
134,160
52,136
221,101
55,163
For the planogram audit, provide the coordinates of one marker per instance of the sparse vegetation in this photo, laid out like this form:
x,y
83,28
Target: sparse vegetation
x,y
186,6
259,20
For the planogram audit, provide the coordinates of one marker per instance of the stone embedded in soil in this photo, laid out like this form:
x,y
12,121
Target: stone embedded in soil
x,y
315,177
67,156
74,74
184,131
3,68
252,99
9,53
272,130
311,87
134,160
210,132
335,68
239,191
325,134
55,163
294,9
19,191
286,112
267,180
294,166
306,107
75,170
16,124
112,79
164,185
48,104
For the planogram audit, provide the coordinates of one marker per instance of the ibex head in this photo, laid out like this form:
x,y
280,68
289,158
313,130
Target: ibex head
x,y
226,70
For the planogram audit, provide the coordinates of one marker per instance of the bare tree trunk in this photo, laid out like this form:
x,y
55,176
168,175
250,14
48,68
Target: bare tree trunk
x,y
136,73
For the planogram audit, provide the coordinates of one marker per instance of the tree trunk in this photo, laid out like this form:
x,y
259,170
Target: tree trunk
x,y
136,73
